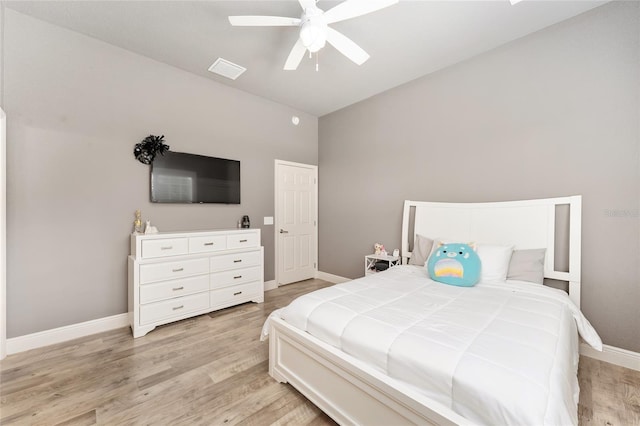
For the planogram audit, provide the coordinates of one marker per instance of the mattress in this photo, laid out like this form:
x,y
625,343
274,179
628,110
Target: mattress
x,y
496,353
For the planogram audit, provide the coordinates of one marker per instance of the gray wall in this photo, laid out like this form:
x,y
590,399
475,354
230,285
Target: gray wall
x,y
75,109
556,113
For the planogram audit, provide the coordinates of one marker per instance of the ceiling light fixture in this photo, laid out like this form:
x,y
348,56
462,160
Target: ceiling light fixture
x,y
313,36
313,30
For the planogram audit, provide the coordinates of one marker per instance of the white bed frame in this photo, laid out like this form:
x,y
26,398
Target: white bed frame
x,y
352,392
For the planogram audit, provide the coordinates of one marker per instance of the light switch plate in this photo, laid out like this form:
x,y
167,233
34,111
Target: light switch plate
x,y
268,220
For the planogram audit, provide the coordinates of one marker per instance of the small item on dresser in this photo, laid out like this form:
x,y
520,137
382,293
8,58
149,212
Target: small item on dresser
x,y
137,224
239,224
148,229
245,222
396,252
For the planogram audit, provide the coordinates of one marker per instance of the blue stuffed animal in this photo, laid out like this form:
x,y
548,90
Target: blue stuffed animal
x,y
454,264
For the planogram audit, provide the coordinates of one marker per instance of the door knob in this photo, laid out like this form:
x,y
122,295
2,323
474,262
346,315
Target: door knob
x,y
282,231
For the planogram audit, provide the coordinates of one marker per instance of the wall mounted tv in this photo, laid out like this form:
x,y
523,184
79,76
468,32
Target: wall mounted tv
x,y
177,177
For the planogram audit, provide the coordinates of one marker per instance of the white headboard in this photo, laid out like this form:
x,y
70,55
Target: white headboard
x,y
525,224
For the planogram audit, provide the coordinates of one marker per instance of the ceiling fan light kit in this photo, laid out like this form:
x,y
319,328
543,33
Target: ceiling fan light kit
x,y
313,33
314,29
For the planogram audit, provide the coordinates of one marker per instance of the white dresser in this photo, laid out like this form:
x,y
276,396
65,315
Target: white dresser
x,y
173,276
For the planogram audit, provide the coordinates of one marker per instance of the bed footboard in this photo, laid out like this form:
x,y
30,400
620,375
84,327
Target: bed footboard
x,y
346,389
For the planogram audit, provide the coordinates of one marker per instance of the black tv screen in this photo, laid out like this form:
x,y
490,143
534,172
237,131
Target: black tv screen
x,y
177,177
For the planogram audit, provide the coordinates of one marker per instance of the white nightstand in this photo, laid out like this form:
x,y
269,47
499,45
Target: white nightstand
x,y
371,259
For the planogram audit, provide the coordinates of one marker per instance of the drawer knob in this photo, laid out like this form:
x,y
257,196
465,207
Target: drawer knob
x,y
243,241
208,244
178,270
166,248
178,288
237,276
239,292
178,307
237,261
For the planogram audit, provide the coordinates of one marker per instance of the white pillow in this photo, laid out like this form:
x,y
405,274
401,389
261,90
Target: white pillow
x,y
495,262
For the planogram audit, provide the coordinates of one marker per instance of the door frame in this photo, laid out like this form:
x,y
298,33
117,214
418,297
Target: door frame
x,y
276,224
3,234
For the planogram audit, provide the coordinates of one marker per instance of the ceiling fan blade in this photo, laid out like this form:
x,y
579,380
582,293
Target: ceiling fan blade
x,y
306,3
295,56
347,47
353,8
263,21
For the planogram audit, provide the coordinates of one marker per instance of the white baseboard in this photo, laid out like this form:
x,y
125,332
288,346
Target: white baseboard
x,y
336,279
613,355
62,334
270,285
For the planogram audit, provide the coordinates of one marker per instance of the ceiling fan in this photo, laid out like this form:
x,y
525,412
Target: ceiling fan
x,y
315,30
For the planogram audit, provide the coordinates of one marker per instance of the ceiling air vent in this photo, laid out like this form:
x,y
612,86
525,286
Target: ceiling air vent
x,y
227,69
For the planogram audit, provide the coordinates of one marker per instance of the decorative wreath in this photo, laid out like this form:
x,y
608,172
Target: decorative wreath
x,y
150,146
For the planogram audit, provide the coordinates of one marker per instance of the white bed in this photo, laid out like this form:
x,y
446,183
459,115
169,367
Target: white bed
x,y
496,353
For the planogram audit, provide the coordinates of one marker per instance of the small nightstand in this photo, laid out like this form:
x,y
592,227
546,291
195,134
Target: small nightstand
x,y
370,261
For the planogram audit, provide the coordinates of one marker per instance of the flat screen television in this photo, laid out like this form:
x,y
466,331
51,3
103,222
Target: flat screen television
x,y
177,177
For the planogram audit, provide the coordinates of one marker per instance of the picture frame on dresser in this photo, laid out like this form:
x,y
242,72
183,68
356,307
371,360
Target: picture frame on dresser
x,y
173,276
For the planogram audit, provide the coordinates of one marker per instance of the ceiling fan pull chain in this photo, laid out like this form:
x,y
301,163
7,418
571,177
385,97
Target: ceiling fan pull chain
x,y
317,54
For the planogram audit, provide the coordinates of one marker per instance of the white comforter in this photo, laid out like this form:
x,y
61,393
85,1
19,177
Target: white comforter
x,y
503,353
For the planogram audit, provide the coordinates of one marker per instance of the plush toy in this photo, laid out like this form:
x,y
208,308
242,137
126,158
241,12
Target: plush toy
x,y
379,249
454,264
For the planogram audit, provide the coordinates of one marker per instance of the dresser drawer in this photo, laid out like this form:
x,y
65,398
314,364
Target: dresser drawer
x,y
237,294
164,247
207,244
177,307
242,240
238,276
174,288
235,261
171,270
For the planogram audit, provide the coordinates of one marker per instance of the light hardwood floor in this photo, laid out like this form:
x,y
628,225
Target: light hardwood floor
x,y
211,370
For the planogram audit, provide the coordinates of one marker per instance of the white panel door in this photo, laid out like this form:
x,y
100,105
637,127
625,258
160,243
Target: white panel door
x,y
3,235
296,221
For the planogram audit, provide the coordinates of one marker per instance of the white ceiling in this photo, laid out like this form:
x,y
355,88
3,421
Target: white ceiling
x,y
405,41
